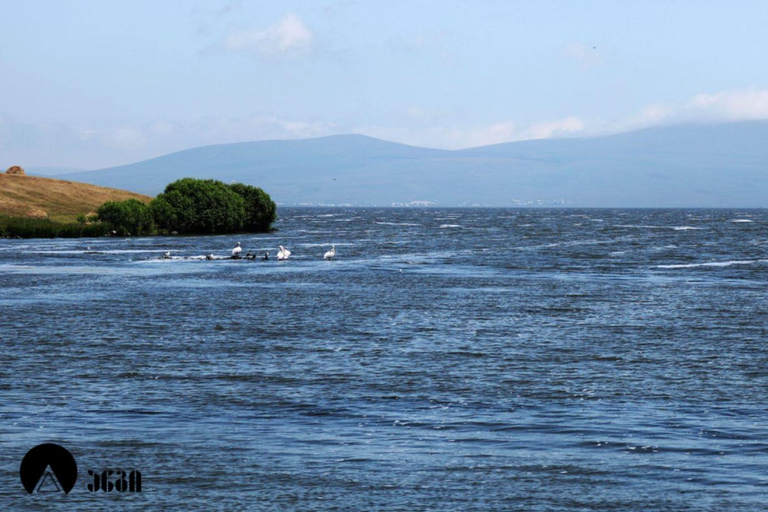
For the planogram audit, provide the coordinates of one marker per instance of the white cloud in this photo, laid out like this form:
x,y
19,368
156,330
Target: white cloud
x,y
255,127
93,147
549,129
125,138
585,55
102,145
433,43
725,106
458,137
730,105
289,36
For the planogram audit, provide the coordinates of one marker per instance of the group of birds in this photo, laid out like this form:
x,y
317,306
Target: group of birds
x,y
282,254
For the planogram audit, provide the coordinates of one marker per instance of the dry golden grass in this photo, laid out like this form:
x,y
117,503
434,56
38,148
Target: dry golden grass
x,y
28,196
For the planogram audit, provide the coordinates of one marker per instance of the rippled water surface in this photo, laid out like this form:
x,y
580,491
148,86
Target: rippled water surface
x,y
446,360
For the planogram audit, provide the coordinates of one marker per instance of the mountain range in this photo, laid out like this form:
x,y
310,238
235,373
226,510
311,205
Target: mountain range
x,y
689,165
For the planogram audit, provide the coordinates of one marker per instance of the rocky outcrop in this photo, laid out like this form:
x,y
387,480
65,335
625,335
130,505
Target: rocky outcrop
x,y
15,170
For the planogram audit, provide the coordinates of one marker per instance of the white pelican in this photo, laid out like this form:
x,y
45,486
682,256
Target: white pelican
x,y
167,255
236,250
330,254
283,253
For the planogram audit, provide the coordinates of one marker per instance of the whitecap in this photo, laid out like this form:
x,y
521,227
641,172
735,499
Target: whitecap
x,y
324,244
397,224
443,226
742,220
645,226
714,264
104,251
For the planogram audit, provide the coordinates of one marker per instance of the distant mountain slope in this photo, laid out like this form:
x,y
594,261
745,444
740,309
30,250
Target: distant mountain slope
x,y
685,165
31,196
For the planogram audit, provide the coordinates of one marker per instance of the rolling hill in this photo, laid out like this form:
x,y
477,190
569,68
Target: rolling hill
x,y
715,165
31,196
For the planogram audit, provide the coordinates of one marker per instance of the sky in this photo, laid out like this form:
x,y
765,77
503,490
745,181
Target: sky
x,y
92,84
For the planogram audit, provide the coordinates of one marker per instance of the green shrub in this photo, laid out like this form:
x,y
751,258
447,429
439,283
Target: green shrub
x,y
260,210
131,217
199,206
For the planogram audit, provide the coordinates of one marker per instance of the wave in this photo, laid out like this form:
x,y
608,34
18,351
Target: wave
x,y
161,259
645,226
742,220
340,244
714,264
397,223
104,251
443,226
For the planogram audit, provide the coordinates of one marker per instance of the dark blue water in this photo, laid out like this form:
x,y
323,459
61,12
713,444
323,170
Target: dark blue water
x,y
533,360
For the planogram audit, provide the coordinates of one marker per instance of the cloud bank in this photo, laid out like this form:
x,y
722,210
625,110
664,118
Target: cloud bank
x,y
287,37
726,106
63,145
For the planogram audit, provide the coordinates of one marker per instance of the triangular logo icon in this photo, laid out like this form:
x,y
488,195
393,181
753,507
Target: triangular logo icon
x,y
48,483
48,468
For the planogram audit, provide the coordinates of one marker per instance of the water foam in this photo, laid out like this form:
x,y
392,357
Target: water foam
x,y
714,264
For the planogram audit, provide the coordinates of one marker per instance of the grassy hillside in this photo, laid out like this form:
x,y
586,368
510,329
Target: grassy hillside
x,y
36,197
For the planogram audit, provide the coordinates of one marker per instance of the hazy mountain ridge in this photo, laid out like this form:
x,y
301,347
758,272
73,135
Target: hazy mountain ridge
x,y
685,165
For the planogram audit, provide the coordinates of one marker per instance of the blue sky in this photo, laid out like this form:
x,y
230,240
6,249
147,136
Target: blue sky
x,y
90,84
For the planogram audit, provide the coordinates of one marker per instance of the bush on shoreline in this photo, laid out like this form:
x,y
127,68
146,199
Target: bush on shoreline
x,y
186,206
260,210
193,206
131,217
199,206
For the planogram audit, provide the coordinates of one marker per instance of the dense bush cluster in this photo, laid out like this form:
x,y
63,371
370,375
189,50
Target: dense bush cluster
x,y
131,217
194,206
260,210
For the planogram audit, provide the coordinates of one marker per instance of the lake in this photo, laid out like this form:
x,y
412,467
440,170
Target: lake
x,y
447,359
